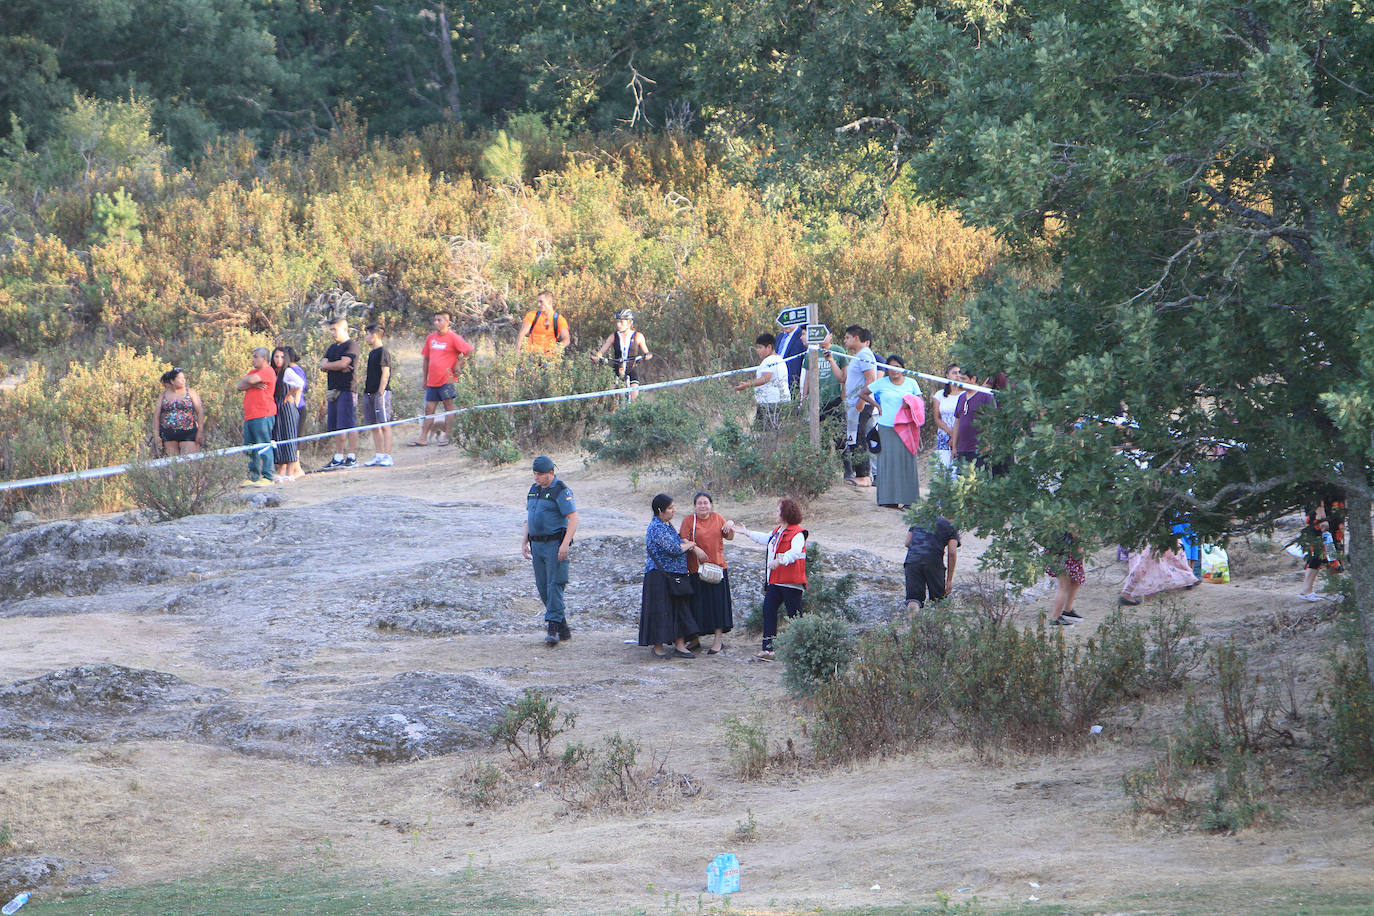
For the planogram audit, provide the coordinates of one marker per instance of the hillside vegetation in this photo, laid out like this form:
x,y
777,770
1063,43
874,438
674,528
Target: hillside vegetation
x,y
117,264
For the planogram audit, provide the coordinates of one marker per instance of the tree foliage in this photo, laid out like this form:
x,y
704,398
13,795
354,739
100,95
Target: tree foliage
x,y
1194,180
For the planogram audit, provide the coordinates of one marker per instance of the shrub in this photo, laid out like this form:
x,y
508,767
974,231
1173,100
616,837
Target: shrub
x,y
1160,789
1174,651
94,415
1107,666
485,785
826,593
654,424
1244,717
994,684
184,488
504,159
523,377
529,725
884,701
1349,733
814,649
1238,791
747,742
611,775
779,462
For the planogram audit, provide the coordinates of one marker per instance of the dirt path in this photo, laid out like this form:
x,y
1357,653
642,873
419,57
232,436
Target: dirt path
x,y
1052,827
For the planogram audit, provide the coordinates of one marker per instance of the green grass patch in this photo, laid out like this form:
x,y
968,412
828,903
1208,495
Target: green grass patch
x,y
302,893
1253,901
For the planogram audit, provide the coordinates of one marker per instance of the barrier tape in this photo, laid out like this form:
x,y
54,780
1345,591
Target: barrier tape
x,y
934,378
115,470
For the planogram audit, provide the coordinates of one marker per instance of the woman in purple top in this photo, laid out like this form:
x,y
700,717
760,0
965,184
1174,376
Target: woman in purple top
x,y
964,442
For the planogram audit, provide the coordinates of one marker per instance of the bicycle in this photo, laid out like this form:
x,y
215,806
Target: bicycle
x,y
622,371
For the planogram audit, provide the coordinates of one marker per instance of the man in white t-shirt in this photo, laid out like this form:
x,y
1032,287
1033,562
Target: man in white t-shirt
x,y
769,384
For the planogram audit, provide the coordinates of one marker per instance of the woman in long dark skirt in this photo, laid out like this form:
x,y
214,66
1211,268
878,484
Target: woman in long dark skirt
x,y
665,617
711,607
290,398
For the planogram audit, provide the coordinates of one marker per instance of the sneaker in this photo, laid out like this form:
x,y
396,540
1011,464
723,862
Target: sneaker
x,y
386,462
333,465
1063,621
551,634
1072,615
349,462
564,631
373,461
1310,596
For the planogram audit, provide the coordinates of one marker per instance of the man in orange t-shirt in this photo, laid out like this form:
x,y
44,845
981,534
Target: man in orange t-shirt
x,y
444,354
544,331
259,415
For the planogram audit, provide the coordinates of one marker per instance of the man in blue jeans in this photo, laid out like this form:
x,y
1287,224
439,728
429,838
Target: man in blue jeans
x,y
259,414
550,523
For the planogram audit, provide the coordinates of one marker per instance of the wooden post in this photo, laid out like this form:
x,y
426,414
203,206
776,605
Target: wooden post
x,y
813,381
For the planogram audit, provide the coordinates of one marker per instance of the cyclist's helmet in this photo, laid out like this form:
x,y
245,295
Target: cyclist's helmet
x,y
624,315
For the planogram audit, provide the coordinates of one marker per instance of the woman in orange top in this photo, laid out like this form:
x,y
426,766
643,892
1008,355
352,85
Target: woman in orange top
x,y
711,600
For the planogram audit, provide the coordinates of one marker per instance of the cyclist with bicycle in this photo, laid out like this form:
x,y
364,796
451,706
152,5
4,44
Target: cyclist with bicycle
x,y
628,349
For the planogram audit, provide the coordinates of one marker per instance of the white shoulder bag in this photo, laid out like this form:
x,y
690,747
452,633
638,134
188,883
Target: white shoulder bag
x,y
709,572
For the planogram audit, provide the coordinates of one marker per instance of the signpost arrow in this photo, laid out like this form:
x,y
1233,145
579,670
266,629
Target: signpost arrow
x,y
793,317
815,333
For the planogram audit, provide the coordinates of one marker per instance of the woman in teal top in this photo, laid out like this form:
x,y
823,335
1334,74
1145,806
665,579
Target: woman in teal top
x,y
899,478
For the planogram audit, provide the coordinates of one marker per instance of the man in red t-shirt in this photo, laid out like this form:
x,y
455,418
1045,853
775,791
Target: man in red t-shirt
x,y
445,353
259,415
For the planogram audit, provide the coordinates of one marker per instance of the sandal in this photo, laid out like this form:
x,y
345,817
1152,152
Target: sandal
x,y
442,440
418,444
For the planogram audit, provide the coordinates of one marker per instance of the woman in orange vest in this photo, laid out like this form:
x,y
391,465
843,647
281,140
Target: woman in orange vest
x,y
786,570
543,330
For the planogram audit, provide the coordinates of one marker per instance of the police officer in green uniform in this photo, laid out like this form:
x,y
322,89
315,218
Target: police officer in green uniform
x,y
550,523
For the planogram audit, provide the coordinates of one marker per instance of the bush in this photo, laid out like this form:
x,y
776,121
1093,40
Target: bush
x,y
93,416
826,593
1174,649
653,425
1349,733
747,742
529,725
780,462
994,685
1238,791
815,649
1107,666
612,776
491,433
184,488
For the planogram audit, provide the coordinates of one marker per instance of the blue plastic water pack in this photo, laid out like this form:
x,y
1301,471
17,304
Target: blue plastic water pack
x,y
722,875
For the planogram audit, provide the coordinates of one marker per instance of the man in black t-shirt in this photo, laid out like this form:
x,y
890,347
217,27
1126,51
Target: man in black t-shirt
x,y
930,559
377,396
339,363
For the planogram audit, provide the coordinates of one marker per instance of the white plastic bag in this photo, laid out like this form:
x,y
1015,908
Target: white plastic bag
x,y
1216,565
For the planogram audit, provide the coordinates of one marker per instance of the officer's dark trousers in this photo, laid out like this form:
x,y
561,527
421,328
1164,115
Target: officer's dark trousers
x,y
550,576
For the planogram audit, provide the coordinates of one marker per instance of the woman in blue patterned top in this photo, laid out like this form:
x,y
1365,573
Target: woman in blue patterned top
x,y
665,617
